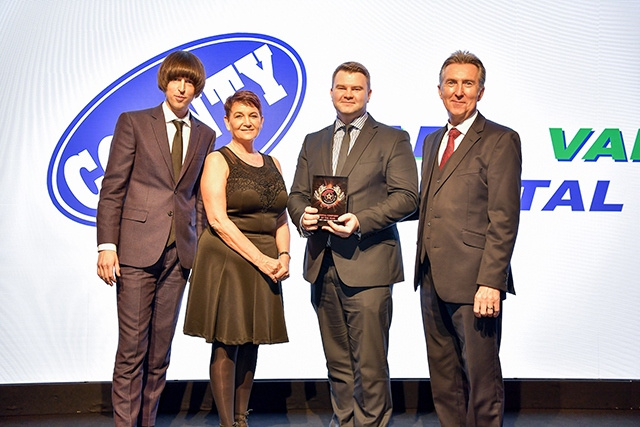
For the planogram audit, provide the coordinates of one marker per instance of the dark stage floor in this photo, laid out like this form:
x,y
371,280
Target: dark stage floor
x,y
528,418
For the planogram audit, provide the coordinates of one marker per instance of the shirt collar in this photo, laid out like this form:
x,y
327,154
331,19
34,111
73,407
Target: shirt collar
x,y
170,116
357,123
464,126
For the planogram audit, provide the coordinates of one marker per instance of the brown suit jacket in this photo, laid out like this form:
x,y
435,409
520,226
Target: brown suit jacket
x,y
382,190
139,194
469,212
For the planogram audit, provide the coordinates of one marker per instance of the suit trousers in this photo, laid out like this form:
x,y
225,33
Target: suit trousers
x,y
149,302
354,325
464,366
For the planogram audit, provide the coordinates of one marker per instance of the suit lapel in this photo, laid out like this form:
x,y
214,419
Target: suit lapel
x,y
160,133
469,140
192,148
364,139
326,147
429,154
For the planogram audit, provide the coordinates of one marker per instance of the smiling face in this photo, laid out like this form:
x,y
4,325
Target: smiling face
x,y
244,122
350,94
460,91
180,92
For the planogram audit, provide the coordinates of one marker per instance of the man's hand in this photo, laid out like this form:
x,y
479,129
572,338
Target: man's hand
x,y
486,302
345,226
310,219
108,266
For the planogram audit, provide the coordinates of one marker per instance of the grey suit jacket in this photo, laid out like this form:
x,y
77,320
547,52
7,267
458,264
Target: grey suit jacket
x,y
469,212
139,194
382,190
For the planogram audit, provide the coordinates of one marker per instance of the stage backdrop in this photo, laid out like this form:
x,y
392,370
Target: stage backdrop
x,y
563,73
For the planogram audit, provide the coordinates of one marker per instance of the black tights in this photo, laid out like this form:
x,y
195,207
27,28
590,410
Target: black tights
x,y
231,372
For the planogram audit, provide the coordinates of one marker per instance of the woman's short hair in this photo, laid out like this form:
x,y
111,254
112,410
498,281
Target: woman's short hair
x,y
243,97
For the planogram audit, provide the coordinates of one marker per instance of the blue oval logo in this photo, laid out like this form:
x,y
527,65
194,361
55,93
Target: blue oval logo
x,y
262,64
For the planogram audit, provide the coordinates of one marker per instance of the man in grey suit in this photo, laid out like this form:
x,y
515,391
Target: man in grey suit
x,y
352,262
149,217
469,213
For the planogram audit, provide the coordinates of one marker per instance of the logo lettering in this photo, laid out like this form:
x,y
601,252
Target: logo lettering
x,y
609,143
568,194
232,62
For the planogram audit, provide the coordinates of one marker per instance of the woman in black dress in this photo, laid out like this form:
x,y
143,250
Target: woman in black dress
x,y
235,296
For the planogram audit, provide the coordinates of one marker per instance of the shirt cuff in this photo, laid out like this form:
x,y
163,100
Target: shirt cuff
x,y
107,247
303,232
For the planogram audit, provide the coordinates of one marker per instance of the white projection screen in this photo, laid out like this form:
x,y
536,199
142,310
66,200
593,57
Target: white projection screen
x,y
563,73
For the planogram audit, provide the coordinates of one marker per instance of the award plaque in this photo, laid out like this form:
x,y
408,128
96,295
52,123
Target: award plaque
x,y
329,196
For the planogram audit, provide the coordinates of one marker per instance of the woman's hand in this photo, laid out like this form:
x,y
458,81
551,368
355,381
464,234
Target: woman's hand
x,y
284,259
273,268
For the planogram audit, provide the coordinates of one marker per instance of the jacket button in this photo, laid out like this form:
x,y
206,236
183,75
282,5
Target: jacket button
x,y
170,213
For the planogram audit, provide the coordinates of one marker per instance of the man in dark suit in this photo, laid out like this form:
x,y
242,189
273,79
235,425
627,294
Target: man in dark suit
x,y
148,225
352,262
469,213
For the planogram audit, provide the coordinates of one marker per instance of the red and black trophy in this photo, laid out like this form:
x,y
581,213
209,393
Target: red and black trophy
x,y
329,197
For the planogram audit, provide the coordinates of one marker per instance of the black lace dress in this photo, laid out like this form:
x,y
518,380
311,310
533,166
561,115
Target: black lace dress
x,y
230,300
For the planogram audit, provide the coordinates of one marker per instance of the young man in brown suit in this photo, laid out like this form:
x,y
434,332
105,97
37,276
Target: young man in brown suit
x,y
149,217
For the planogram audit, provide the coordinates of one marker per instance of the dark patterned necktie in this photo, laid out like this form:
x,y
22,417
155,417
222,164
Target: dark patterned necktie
x,y
176,162
344,149
176,150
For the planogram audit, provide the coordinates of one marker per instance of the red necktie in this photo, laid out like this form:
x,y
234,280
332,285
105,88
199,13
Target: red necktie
x,y
453,134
